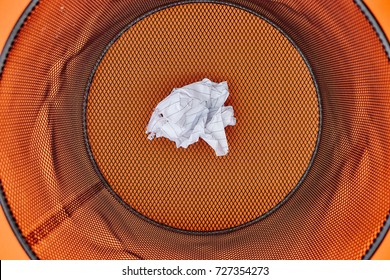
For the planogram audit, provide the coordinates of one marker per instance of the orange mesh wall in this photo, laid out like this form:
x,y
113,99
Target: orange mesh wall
x,y
307,174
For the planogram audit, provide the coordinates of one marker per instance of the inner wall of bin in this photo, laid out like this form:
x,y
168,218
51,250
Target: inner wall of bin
x,y
63,209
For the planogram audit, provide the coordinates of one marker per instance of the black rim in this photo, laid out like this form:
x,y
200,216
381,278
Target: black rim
x,y
386,46
3,56
3,200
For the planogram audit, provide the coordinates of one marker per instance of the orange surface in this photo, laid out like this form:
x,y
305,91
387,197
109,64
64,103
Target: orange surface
x,y
9,13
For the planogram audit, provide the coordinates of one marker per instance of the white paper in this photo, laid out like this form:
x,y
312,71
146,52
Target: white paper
x,y
192,112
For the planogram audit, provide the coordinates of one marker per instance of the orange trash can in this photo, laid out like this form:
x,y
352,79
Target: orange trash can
x,y
307,172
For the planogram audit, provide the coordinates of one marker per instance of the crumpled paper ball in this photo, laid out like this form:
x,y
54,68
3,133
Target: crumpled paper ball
x,y
192,112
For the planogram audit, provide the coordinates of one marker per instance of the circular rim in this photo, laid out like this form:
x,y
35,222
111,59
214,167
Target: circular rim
x,y
134,211
3,56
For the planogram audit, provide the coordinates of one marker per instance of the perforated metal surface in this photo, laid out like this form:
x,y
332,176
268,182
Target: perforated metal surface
x,y
64,210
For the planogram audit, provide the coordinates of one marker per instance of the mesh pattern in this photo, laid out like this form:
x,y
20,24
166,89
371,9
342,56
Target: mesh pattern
x,y
65,211
271,91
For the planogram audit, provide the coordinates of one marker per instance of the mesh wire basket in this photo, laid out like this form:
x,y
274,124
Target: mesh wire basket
x,y
307,175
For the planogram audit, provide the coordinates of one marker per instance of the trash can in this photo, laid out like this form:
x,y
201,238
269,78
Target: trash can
x,y
307,174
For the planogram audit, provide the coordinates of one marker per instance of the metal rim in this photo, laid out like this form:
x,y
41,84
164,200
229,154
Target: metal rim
x,y
386,46
3,201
